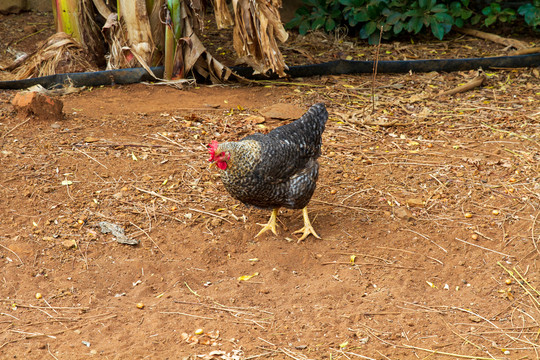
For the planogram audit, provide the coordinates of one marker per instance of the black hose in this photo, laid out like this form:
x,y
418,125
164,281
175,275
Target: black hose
x,y
95,78
339,67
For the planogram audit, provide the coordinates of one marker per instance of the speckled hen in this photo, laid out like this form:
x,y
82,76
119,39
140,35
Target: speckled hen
x,y
279,169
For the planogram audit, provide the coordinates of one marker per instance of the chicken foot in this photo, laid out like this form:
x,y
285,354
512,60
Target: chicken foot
x,y
307,229
271,224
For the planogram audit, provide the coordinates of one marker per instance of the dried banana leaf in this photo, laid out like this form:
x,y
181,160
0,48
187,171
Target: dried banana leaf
x,y
129,36
61,53
77,19
134,18
257,26
192,56
223,15
158,30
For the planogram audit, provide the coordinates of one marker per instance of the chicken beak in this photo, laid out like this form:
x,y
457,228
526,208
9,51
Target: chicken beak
x,y
212,165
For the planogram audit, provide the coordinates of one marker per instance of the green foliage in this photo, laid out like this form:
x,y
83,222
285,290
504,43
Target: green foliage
x,y
531,13
395,17
494,13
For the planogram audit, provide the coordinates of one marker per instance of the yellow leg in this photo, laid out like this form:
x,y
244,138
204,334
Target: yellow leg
x,y
271,224
307,229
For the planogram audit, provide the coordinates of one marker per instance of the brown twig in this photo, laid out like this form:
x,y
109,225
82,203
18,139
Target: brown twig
x,y
148,235
526,51
494,38
184,314
451,354
153,193
375,66
533,234
90,157
14,253
477,81
15,127
484,248
411,252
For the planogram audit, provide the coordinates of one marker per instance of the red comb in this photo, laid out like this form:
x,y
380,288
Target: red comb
x,y
212,150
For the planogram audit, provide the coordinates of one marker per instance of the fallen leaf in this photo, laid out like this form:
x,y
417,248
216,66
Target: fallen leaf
x,y
247,277
90,139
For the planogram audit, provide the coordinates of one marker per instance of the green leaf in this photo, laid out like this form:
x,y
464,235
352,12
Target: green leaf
x,y
439,8
330,25
373,39
318,23
490,20
455,7
466,13
313,3
444,18
370,27
475,19
436,29
372,11
495,7
336,13
303,28
361,17
533,17
393,18
398,27
415,25
458,22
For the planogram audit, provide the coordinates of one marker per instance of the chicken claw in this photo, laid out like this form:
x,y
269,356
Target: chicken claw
x,y
307,229
271,224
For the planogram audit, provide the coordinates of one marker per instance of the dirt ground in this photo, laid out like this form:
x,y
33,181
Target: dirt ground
x,y
428,209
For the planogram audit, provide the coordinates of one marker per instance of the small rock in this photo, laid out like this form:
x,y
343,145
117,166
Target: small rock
x,y
255,119
403,214
29,29
12,6
90,139
69,244
41,106
475,319
415,202
118,232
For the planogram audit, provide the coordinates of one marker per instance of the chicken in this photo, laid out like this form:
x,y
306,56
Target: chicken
x,y
279,169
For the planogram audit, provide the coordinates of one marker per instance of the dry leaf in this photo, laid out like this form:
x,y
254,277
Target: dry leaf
x,y
256,28
247,277
223,15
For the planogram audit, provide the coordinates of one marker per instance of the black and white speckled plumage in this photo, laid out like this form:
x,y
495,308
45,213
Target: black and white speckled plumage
x,y
279,168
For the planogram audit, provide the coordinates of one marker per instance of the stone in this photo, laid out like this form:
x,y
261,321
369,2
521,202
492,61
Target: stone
x,y
39,105
12,6
403,213
415,202
39,5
